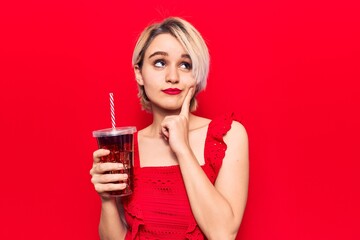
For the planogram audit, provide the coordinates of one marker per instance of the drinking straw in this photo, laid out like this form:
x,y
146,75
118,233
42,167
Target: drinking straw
x,y
112,111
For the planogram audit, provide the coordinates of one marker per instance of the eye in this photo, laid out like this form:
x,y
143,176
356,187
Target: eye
x,y
159,63
186,65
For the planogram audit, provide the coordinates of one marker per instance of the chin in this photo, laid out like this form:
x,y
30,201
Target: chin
x,y
171,107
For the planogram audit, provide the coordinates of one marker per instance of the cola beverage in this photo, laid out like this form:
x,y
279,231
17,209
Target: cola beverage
x,y
120,142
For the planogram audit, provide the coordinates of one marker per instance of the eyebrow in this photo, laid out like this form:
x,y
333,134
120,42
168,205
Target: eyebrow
x,y
161,53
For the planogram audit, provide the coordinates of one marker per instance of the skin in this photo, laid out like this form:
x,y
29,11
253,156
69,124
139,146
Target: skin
x,y
177,137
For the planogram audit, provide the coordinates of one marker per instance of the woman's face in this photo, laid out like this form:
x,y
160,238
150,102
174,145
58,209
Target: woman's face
x,y
166,73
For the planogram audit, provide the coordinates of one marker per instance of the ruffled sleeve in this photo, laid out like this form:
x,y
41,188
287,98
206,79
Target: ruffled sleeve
x,y
215,147
133,211
194,232
135,220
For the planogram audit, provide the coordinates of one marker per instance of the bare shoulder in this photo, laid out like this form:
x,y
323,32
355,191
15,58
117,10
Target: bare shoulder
x,y
236,135
237,143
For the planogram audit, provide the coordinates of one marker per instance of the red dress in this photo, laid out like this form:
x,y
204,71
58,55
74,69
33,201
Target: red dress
x,y
159,207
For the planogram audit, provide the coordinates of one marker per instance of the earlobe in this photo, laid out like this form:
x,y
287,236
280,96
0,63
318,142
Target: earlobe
x,y
138,75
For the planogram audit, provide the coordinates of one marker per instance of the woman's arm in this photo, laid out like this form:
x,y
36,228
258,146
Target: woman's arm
x,y
111,225
218,209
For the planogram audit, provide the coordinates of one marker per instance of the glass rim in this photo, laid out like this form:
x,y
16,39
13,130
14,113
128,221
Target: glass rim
x,y
111,132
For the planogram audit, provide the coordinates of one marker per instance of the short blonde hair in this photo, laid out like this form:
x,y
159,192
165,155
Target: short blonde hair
x,y
191,40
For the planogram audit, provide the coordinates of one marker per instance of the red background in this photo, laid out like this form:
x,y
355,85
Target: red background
x,y
290,69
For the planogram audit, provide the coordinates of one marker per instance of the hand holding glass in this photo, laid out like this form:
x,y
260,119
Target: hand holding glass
x,y
120,142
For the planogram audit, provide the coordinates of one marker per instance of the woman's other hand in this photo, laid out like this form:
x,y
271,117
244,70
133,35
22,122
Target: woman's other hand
x,y
104,181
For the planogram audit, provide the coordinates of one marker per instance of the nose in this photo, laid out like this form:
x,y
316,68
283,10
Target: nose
x,y
172,75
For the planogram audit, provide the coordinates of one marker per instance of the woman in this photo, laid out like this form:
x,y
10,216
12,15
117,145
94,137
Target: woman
x,y
191,173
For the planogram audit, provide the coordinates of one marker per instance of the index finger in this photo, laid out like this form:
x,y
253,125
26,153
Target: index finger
x,y
185,108
100,153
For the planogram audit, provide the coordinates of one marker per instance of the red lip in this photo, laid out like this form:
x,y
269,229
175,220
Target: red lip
x,y
172,91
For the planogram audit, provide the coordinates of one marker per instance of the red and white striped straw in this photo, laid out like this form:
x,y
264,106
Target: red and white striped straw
x,y
112,111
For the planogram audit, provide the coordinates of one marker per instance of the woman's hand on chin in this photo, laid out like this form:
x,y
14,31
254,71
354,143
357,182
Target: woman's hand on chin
x,y
175,128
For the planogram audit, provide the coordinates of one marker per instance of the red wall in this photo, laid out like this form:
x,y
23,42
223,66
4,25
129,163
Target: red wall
x,y
289,69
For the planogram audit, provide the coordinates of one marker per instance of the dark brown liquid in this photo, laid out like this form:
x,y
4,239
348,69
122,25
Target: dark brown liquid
x,y
121,151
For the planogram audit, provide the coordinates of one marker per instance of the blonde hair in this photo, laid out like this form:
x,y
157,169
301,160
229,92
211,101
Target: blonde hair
x,y
191,40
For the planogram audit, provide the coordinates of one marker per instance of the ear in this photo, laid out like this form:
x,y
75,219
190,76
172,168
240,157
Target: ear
x,y
138,75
